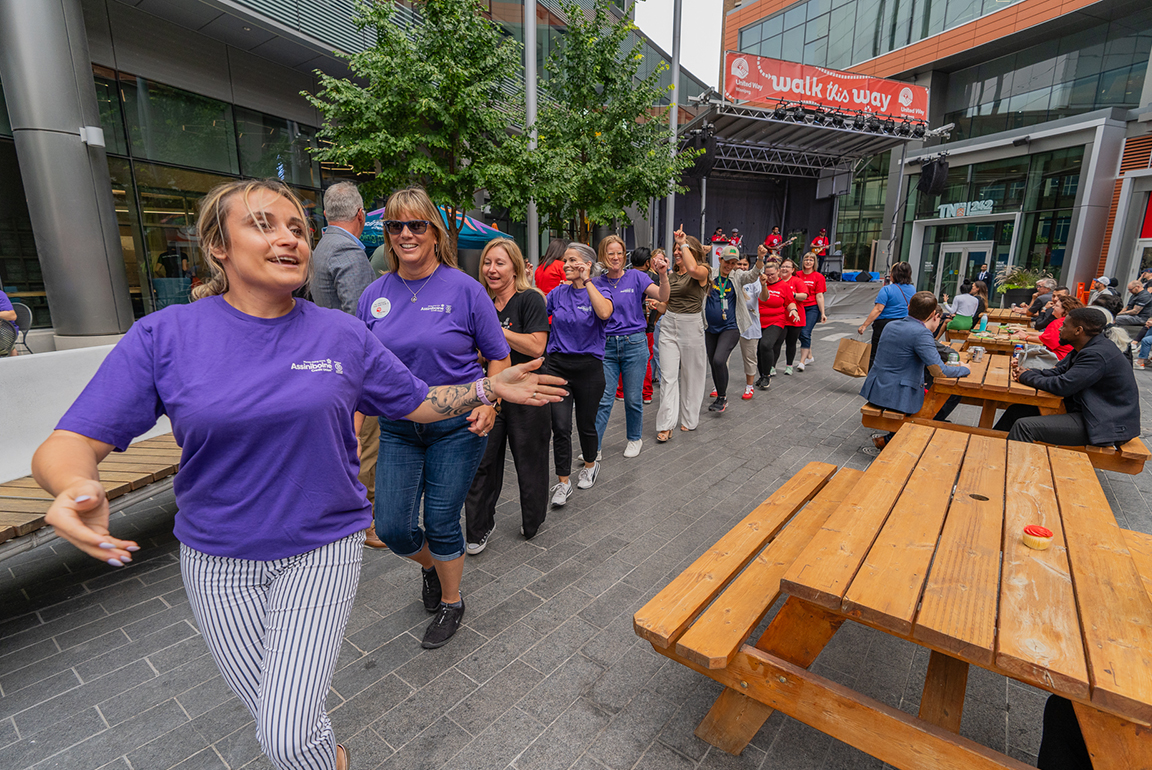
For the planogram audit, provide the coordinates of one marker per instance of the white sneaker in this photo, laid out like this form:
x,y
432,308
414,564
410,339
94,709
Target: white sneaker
x,y
560,494
599,455
799,367
633,448
588,476
811,360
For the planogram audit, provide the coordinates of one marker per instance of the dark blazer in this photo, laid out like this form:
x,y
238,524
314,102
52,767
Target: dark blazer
x,y
1097,382
986,277
896,379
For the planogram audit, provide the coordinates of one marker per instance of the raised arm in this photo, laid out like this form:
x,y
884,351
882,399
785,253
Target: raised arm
x,y
659,292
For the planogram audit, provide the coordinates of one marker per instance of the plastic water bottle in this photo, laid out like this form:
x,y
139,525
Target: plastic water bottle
x,y
984,322
1017,352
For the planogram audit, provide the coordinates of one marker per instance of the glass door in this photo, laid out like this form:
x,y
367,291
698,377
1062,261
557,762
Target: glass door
x,y
960,262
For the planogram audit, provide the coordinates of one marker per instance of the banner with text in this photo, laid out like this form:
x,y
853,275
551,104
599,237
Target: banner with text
x,y
749,78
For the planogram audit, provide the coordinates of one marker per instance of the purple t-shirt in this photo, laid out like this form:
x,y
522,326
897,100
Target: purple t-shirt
x,y
6,305
576,329
262,408
627,295
436,336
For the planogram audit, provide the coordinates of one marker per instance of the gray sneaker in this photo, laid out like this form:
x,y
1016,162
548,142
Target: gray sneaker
x,y
560,494
588,476
599,455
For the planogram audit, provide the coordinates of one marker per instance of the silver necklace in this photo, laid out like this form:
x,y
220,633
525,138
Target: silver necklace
x,y
426,280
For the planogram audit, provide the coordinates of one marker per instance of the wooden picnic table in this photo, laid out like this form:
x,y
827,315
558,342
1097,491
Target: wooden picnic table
x,y
925,545
990,386
1003,314
1003,338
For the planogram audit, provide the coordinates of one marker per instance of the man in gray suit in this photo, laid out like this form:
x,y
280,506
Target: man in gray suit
x,y
341,269
341,274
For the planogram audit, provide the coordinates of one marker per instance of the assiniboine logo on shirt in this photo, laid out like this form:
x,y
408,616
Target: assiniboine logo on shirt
x,y
437,308
321,365
585,308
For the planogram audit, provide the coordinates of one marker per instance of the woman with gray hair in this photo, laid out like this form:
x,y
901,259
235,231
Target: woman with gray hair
x,y
576,345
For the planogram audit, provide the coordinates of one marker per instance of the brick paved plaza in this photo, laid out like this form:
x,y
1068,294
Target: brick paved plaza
x,y
103,668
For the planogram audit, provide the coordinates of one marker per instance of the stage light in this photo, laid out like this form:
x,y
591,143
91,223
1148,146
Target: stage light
x,y
904,129
819,117
858,121
918,131
873,124
889,126
838,120
781,112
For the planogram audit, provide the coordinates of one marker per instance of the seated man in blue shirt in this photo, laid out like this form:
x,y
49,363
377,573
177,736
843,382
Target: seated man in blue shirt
x,y
1096,382
908,347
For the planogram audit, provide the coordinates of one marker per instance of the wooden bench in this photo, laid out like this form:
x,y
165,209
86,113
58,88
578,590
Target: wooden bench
x,y
1128,458
145,469
822,522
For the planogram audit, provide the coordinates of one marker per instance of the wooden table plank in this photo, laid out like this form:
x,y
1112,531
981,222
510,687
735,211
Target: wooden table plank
x,y
718,633
11,505
663,619
977,370
958,611
823,571
997,378
21,523
887,588
1038,639
1140,546
1115,610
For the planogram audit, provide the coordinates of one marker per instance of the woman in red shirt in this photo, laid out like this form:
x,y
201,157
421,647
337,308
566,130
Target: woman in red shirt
x,y
550,273
792,327
1050,337
777,306
813,308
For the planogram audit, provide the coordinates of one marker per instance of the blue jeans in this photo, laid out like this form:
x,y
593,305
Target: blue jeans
x,y
627,356
436,462
811,316
1145,347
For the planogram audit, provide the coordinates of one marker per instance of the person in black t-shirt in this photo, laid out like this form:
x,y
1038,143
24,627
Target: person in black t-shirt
x,y
522,313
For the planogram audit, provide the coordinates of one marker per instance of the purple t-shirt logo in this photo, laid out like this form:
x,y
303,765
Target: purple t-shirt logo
x,y
323,365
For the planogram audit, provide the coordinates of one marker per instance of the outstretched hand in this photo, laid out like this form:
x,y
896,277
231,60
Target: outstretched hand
x,y
521,385
80,515
660,264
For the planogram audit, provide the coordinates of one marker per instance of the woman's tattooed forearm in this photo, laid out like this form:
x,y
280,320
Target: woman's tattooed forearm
x,y
455,400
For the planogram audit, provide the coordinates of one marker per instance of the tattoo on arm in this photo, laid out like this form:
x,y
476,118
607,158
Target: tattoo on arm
x,y
455,400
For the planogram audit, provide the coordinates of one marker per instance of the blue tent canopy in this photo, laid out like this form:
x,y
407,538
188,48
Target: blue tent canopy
x,y
474,234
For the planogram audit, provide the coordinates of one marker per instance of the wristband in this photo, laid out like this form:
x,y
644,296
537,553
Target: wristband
x,y
481,396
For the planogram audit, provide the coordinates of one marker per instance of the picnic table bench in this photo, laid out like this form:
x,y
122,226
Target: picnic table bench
x,y
1003,315
144,469
990,386
923,545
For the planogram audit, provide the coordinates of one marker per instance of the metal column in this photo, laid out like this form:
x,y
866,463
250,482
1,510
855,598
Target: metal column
x,y
51,98
674,124
533,254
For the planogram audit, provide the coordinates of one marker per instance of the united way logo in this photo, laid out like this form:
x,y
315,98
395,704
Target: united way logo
x,y
740,67
905,97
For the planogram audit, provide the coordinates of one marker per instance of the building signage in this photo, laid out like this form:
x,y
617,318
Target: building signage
x,y
969,209
762,80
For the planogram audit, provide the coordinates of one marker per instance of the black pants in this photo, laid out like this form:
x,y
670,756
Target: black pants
x,y
1025,423
791,336
769,348
526,429
585,376
719,348
877,327
1062,744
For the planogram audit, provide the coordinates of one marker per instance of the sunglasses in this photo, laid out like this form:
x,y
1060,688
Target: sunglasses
x,y
415,226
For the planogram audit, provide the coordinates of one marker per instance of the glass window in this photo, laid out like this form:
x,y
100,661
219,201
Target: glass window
x,y
816,28
771,47
1117,87
817,7
961,11
111,117
795,17
901,24
933,17
1003,181
5,124
773,26
1028,109
841,34
1035,68
793,47
1045,241
174,126
140,287
816,53
276,148
20,274
1054,178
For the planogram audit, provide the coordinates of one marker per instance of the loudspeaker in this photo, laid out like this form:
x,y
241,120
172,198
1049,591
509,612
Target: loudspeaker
x,y
702,166
933,177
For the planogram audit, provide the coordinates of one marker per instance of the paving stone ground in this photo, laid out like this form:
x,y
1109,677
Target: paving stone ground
x,y
103,668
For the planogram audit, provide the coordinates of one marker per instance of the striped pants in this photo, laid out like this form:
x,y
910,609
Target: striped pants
x,y
274,629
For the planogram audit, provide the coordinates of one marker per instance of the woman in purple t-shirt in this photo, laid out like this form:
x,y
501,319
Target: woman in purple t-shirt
x,y
8,313
626,351
436,319
261,389
580,316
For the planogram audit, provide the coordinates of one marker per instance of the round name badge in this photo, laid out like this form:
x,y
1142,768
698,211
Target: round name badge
x,y
380,307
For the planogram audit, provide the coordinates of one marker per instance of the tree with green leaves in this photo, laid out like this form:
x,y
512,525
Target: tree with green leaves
x,y
603,140
431,109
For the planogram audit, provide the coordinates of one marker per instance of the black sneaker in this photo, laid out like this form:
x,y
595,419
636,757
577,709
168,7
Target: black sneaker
x,y
762,383
443,626
431,590
478,547
721,404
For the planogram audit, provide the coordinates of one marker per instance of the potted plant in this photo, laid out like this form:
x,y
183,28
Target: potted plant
x,y
1017,283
